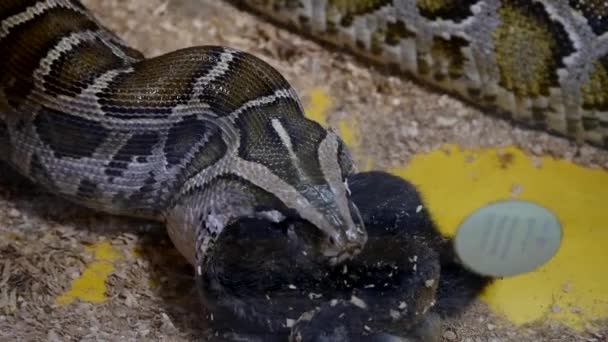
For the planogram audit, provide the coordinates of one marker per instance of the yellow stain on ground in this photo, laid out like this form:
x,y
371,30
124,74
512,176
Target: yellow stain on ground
x,y
349,132
318,105
571,287
91,285
317,108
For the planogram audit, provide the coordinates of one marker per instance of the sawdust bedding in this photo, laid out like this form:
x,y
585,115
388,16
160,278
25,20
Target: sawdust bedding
x,y
150,296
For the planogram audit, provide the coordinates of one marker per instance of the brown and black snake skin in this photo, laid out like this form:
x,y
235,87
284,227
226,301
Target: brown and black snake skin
x,y
196,138
542,63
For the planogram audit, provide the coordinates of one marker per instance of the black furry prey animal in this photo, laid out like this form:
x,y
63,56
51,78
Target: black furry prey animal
x,y
267,284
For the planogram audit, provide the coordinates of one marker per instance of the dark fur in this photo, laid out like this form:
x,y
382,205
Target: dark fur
x,y
265,273
390,201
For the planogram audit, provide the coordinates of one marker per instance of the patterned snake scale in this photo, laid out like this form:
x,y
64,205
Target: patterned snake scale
x,y
542,63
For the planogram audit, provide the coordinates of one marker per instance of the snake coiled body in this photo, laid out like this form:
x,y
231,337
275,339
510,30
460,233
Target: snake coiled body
x,y
542,63
196,138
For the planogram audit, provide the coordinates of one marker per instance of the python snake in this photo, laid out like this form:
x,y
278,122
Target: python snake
x,y
541,63
204,137
196,138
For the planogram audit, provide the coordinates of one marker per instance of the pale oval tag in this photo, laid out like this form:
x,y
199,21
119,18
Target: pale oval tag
x,y
507,238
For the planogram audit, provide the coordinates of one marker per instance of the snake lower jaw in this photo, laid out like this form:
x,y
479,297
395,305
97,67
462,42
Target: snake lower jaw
x,y
339,258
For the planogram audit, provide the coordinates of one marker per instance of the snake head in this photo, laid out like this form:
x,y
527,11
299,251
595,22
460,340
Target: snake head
x,y
315,187
269,161
310,183
337,237
301,176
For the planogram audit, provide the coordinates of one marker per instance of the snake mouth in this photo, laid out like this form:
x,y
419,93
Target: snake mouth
x,y
342,256
322,248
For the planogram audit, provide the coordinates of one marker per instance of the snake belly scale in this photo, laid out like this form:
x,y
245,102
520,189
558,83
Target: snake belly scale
x,y
196,138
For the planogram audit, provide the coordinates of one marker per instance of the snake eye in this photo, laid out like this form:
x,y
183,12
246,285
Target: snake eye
x,y
332,240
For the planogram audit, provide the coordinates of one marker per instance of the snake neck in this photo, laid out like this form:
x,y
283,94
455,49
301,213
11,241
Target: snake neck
x,y
198,218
